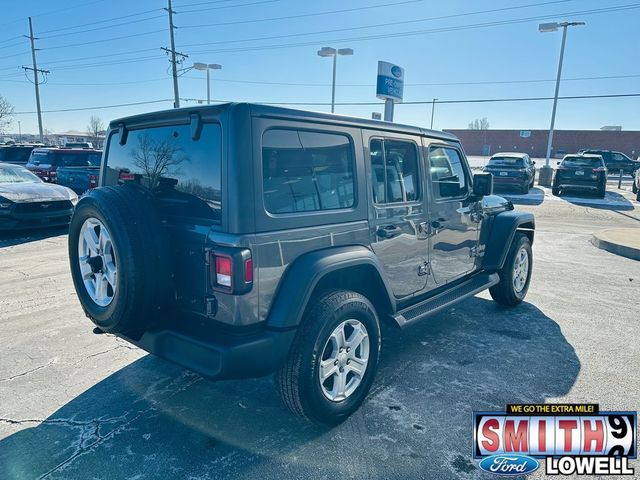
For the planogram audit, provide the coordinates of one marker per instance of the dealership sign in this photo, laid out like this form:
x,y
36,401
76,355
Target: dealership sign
x,y
570,438
390,84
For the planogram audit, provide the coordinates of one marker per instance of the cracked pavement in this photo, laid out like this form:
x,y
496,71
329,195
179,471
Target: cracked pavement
x,y
74,405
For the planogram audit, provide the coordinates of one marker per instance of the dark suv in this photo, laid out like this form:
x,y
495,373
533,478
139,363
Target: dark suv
x,y
615,161
241,240
580,172
512,170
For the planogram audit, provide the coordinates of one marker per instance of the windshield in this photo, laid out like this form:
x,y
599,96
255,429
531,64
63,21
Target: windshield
x,y
506,161
10,174
585,162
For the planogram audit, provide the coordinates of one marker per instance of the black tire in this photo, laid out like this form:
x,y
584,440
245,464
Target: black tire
x,y
638,195
143,275
634,187
525,189
555,191
504,292
533,180
602,191
298,381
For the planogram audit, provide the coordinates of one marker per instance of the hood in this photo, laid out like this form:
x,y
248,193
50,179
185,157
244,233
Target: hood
x,y
35,192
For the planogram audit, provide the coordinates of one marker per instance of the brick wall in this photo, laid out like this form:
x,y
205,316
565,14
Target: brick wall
x,y
487,142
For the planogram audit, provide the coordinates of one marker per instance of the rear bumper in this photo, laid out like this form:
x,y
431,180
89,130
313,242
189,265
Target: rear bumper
x,y
218,355
510,182
577,185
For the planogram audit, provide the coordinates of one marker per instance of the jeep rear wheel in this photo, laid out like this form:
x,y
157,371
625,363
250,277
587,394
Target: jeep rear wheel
x,y
333,360
117,255
515,275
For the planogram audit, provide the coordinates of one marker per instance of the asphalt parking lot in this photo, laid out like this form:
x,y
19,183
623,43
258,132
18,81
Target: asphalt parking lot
x,y
74,405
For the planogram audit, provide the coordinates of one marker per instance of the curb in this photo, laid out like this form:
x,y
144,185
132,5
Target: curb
x,y
627,251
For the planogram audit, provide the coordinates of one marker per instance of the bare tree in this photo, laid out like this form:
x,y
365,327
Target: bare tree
x,y
6,113
94,129
479,124
157,158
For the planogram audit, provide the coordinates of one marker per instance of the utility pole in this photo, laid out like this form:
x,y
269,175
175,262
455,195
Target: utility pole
x,y
35,77
172,51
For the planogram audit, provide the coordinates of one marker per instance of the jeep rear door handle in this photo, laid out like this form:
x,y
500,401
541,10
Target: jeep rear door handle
x,y
388,231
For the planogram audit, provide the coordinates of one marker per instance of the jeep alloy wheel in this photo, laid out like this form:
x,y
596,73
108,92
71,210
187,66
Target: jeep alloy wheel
x,y
344,360
520,270
97,261
334,358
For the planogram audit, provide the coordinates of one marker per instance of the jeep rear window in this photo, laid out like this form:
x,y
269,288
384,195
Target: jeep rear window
x,y
307,171
182,171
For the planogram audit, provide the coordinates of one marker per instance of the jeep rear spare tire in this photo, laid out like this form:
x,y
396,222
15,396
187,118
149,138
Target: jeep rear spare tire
x,y
117,255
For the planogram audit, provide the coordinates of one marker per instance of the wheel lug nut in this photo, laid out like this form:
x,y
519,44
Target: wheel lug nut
x,y
341,369
336,362
348,348
349,362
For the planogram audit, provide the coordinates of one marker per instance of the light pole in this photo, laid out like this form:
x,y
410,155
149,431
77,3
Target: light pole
x,y
207,67
332,52
433,107
546,172
19,132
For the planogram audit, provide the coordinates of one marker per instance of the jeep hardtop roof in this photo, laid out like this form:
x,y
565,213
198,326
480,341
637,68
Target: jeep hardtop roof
x,y
261,110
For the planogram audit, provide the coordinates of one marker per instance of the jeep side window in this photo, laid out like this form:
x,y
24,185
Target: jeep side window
x,y
306,171
394,168
447,173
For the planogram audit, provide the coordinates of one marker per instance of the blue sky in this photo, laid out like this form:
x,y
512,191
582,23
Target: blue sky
x,y
92,65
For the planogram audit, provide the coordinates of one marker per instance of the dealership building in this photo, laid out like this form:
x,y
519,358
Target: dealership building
x,y
534,142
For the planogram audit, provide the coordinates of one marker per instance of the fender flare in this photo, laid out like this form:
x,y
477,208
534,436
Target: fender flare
x,y
503,228
302,276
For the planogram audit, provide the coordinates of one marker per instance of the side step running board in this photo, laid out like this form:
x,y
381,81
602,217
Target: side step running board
x,y
445,299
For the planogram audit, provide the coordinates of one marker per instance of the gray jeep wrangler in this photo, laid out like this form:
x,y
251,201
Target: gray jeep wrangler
x,y
240,240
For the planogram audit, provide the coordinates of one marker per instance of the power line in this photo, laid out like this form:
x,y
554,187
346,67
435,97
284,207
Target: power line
x,y
103,21
100,107
129,22
198,10
421,102
386,24
421,32
304,15
479,100
103,40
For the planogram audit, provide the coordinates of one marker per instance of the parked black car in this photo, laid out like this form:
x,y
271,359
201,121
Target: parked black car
x,y
512,170
615,161
28,202
239,240
18,154
581,172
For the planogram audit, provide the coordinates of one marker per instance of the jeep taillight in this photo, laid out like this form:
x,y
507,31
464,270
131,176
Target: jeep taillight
x,y
230,270
223,271
93,180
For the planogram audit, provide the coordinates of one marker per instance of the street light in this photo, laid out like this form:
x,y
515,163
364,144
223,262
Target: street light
x,y
433,107
207,67
332,52
546,172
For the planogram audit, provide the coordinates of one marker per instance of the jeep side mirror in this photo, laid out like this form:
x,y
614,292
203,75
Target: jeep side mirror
x,y
482,184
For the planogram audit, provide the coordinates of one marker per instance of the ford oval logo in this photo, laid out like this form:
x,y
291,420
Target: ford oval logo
x,y
396,71
509,464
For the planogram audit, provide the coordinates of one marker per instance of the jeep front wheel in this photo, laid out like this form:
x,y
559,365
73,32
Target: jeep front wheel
x,y
333,360
515,275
